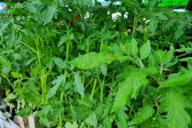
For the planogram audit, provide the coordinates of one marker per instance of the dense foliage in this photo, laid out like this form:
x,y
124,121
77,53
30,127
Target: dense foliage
x,y
73,66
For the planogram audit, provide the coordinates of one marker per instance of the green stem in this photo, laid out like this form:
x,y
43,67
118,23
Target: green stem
x,y
62,93
93,90
101,94
43,86
88,83
161,69
135,24
140,63
101,46
67,51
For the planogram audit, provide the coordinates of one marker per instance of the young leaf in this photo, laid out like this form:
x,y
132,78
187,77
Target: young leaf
x,y
128,89
153,25
133,49
91,120
63,39
169,55
71,125
57,83
179,31
142,115
5,62
78,84
122,119
59,62
92,60
164,57
145,50
49,13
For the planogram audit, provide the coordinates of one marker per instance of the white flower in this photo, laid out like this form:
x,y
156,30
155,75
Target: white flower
x,y
147,21
87,15
108,12
117,3
126,15
128,30
104,3
69,10
116,16
179,10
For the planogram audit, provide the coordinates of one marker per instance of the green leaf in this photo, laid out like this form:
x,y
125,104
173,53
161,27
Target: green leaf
x,y
43,115
91,120
178,79
142,115
164,57
63,39
177,116
5,62
16,75
49,13
122,119
128,89
71,125
57,83
92,60
103,70
161,16
179,31
145,50
169,55
59,62
153,25
9,98
78,84
133,49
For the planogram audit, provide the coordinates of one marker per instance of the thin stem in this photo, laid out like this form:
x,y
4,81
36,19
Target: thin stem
x,y
43,86
101,94
93,90
135,24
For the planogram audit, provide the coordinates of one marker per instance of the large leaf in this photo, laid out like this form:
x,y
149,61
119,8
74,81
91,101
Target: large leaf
x,y
128,89
142,115
92,60
174,104
178,79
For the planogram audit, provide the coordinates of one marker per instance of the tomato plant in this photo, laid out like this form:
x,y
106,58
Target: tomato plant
x,y
124,66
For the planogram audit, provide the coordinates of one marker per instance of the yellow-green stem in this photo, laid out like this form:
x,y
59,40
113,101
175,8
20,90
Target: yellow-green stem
x,y
101,94
65,77
93,90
